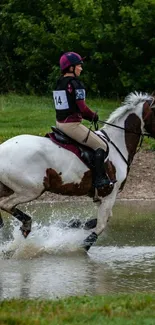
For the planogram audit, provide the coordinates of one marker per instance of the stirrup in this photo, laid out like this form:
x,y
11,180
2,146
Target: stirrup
x,y
104,182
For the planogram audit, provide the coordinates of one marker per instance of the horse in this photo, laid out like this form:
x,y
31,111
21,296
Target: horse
x,y
31,165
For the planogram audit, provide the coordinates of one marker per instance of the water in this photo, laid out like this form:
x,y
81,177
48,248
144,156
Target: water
x,y
51,264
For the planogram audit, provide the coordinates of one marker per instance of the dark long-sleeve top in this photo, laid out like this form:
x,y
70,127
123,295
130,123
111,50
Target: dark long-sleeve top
x,y
85,112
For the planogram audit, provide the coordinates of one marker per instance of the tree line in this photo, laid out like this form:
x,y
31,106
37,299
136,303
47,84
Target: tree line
x,y
117,38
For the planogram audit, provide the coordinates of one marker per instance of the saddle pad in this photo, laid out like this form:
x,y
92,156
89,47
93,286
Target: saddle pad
x,y
67,146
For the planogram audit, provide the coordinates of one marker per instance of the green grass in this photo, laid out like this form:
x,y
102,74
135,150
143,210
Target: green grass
x,y
36,115
24,114
135,309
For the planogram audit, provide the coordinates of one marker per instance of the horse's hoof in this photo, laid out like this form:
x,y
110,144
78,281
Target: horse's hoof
x,y
74,223
89,241
90,224
26,228
25,233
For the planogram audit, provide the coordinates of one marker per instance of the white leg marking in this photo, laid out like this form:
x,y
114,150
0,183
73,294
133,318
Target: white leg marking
x,y
104,212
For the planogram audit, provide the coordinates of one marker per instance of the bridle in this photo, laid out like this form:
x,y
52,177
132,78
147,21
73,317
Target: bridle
x,y
142,135
114,145
124,129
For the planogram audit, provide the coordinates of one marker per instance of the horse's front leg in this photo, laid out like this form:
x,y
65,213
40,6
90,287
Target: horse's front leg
x,y
104,212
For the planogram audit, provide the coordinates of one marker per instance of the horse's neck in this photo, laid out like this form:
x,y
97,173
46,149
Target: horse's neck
x,y
125,140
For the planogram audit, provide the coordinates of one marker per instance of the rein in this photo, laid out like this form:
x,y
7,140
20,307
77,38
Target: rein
x,y
121,128
108,139
127,130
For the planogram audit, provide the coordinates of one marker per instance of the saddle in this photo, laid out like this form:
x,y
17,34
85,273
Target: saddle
x,y
84,153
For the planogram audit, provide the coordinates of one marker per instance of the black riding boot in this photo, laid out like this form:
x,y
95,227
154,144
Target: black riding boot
x,y
100,177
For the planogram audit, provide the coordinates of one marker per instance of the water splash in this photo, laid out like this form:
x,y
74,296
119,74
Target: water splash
x,y
43,239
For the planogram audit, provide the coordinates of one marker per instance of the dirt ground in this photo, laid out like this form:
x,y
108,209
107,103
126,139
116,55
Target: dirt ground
x,y
140,182
141,179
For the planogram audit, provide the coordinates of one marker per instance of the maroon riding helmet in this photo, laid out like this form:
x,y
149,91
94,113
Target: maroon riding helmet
x,y
69,59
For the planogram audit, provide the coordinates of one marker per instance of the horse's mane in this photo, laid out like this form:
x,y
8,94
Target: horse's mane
x,y
130,102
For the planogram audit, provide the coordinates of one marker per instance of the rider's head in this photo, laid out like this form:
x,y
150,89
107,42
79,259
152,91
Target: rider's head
x,y
69,63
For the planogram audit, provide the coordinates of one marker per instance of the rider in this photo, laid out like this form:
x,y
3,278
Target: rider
x,y
69,99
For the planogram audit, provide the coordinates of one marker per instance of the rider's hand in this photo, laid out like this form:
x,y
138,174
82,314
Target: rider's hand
x,y
96,117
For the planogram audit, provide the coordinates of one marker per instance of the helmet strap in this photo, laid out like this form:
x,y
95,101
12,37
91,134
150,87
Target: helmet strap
x,y
74,70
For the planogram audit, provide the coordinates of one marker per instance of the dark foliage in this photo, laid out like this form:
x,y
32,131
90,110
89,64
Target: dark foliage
x,y
117,37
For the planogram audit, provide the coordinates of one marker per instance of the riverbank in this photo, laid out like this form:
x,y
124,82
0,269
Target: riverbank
x,y
113,309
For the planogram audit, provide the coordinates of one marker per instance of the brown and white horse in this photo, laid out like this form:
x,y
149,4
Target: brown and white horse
x,y
30,165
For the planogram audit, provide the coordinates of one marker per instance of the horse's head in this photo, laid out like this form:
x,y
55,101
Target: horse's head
x,y
140,117
148,115
135,116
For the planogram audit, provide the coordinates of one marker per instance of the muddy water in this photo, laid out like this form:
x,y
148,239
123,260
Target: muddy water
x,y
51,264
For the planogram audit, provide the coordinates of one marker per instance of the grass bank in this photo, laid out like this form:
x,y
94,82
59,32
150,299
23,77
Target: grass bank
x,y
36,115
138,309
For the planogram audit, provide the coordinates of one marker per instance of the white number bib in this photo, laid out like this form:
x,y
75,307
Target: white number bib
x,y
60,99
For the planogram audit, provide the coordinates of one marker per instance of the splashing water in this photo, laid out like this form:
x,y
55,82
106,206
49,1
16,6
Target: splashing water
x,y
46,239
